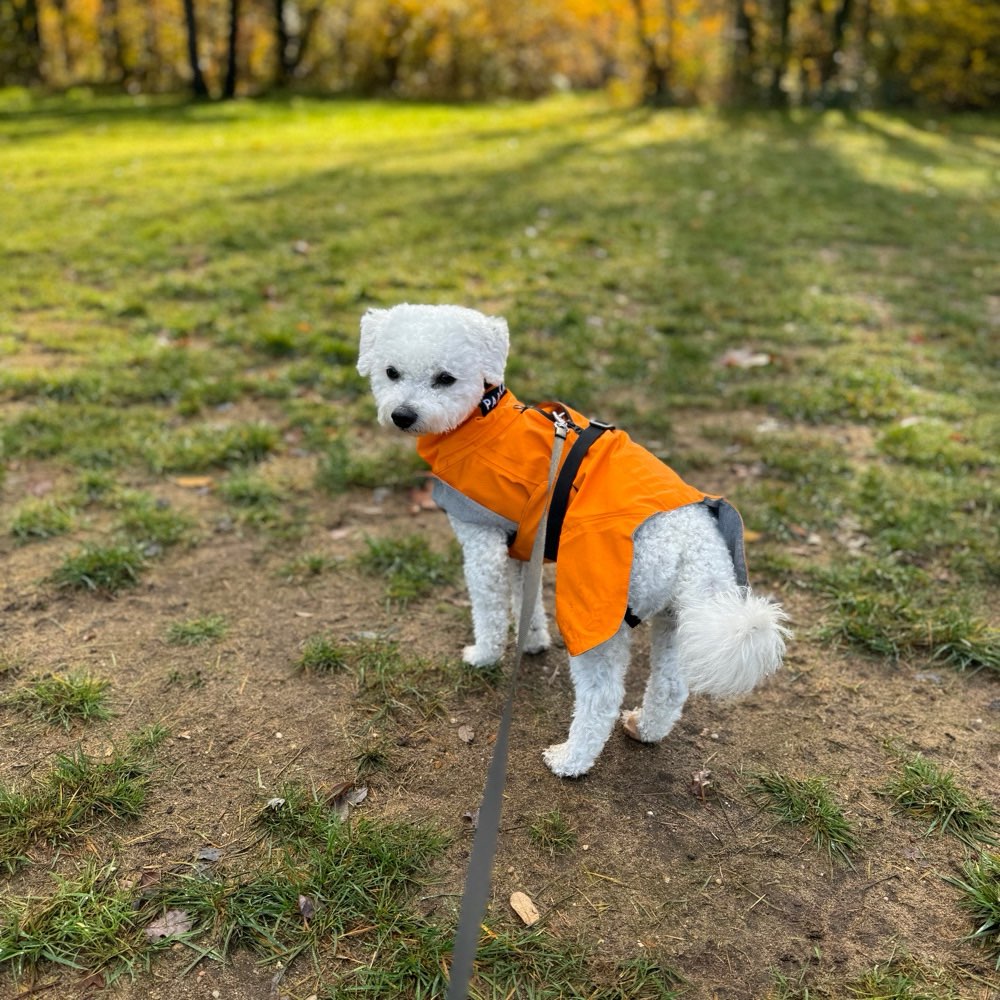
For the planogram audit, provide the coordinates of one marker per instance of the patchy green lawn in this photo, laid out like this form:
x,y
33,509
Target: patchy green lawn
x,y
204,531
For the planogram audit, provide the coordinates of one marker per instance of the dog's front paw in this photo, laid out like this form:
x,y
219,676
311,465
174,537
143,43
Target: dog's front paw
x,y
563,763
481,656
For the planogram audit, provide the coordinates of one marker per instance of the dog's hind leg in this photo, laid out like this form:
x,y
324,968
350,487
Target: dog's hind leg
x,y
538,639
666,689
598,689
485,559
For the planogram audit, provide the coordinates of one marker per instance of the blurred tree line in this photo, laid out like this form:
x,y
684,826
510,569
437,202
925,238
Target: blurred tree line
x,y
778,53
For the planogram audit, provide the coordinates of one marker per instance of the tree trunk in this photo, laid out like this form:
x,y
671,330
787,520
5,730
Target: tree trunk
x,y
741,82
830,65
198,86
778,96
20,42
229,87
655,76
282,69
111,42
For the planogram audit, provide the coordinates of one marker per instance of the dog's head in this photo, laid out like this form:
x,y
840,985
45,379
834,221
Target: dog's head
x,y
428,365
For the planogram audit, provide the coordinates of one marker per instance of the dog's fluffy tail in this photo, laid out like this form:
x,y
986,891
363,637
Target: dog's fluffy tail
x,y
730,641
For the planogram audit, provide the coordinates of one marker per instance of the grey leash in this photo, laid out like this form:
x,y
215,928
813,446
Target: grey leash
x,y
484,844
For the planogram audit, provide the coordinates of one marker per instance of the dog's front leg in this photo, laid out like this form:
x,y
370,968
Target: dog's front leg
x,y
484,555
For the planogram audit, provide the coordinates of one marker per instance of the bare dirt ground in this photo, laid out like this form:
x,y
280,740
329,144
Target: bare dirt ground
x,y
711,884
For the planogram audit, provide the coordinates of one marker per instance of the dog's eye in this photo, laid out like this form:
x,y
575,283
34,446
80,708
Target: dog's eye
x,y
444,379
391,374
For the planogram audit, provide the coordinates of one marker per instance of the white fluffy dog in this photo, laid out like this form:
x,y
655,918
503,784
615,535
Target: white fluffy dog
x,y
437,372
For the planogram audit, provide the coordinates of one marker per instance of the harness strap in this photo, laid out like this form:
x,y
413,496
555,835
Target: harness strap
x,y
559,501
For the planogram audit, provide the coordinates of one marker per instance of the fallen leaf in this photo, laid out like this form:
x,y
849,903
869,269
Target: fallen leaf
x,y
95,981
345,795
172,924
743,357
522,905
356,796
307,908
194,482
701,781
211,854
466,734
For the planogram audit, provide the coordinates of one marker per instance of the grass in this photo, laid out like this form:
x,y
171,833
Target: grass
x,y
411,568
151,524
102,569
78,793
890,611
342,467
927,791
181,334
38,519
902,978
322,655
87,923
808,803
980,888
307,567
197,631
63,699
552,833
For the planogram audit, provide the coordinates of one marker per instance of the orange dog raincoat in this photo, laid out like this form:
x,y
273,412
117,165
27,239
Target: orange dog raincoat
x,y
498,460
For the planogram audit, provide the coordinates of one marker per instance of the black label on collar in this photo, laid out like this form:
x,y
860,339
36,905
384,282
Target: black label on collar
x,y
491,398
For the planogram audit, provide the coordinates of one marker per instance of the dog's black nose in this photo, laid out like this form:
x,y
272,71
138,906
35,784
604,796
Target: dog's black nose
x,y
404,417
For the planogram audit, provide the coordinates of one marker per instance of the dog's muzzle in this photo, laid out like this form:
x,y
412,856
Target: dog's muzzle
x,y
403,417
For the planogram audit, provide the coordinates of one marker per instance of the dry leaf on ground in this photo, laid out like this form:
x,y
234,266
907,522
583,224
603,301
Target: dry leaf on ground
x,y
522,905
173,923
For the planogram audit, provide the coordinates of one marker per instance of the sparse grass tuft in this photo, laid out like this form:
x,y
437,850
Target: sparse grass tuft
x,y
64,698
306,567
880,611
39,519
103,569
340,469
197,631
902,978
295,814
79,791
198,449
807,802
551,832
389,681
411,568
372,758
251,492
322,655
88,923
151,524
980,885
927,791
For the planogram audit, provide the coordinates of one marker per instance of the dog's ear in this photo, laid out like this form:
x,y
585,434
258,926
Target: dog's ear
x,y
496,341
371,323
